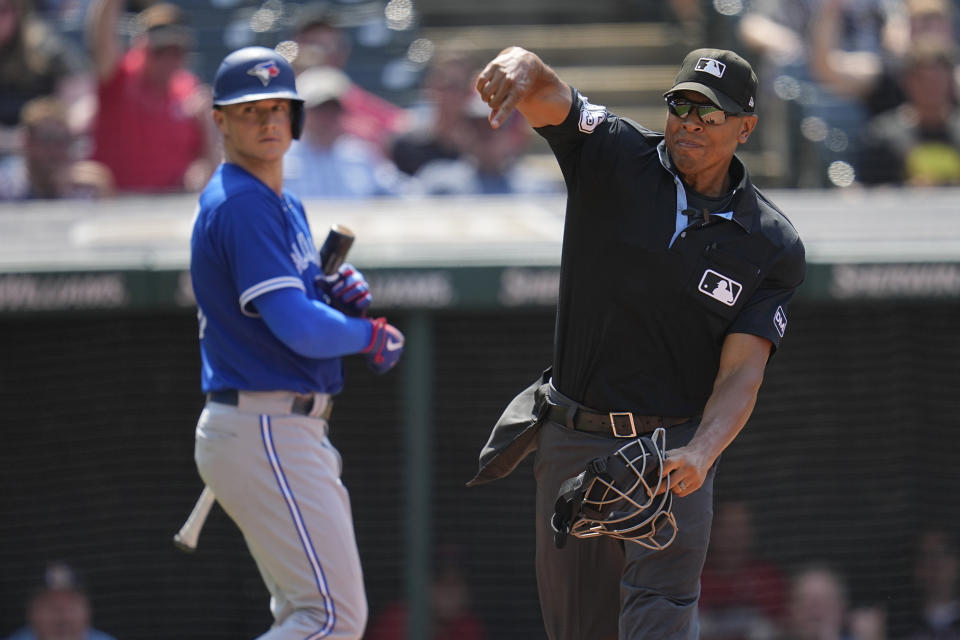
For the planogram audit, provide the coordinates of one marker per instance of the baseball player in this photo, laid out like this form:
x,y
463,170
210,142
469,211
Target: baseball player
x,y
676,275
271,348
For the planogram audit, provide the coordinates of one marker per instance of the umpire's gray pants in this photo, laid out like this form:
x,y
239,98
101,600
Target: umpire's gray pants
x,y
605,589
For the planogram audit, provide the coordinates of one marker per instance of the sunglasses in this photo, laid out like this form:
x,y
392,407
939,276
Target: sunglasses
x,y
708,113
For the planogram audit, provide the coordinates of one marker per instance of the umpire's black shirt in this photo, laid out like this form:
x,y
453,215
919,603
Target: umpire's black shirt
x,y
646,297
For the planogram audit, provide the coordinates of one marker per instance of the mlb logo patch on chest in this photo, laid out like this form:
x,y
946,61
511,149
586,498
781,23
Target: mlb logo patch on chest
x,y
719,287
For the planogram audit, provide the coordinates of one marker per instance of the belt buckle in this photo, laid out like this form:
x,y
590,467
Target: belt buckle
x,y
613,424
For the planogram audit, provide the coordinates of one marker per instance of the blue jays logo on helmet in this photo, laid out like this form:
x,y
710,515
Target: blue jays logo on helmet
x,y
265,71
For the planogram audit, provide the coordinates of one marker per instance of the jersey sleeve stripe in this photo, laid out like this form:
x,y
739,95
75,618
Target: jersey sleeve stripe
x,y
263,287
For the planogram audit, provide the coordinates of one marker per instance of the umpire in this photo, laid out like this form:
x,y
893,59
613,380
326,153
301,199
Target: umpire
x,y
675,279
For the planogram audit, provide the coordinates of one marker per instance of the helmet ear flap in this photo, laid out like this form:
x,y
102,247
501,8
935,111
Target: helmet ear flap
x,y
296,118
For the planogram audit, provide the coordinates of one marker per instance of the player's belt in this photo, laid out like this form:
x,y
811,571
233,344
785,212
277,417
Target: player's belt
x,y
620,424
302,405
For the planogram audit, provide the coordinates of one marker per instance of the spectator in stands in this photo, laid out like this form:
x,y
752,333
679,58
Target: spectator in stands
x,y
867,71
688,14
65,16
790,37
152,127
818,608
775,30
489,160
328,162
321,42
742,595
935,572
59,609
47,166
436,130
917,143
35,61
90,180
451,617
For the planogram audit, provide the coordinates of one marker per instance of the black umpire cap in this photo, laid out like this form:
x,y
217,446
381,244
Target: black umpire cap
x,y
723,76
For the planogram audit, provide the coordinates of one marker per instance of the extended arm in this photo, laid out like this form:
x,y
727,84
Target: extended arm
x,y
850,74
742,363
519,79
198,106
316,330
101,33
769,37
312,328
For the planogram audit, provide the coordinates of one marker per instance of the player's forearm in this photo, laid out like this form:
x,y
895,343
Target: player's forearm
x,y
312,328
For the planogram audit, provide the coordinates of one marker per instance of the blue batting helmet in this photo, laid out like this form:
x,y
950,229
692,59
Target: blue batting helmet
x,y
258,73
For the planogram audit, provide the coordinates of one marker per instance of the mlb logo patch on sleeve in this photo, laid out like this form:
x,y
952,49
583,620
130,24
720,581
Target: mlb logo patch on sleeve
x,y
719,287
780,321
591,115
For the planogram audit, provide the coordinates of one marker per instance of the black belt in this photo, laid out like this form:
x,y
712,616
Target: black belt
x,y
620,424
302,405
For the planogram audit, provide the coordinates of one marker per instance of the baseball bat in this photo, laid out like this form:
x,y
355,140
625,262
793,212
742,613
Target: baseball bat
x,y
331,254
335,248
186,538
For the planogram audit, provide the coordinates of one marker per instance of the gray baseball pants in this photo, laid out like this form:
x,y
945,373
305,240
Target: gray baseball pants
x,y
277,475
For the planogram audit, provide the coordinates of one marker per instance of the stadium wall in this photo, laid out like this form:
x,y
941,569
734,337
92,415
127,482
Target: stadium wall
x,y
850,453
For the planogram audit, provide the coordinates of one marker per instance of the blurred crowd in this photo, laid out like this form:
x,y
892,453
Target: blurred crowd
x,y
58,608
864,88
854,92
746,596
119,111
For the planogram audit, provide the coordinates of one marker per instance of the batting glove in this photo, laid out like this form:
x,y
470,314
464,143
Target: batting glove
x,y
346,290
385,348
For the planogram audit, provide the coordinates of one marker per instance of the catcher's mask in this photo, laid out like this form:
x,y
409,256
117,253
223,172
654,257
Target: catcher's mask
x,y
616,496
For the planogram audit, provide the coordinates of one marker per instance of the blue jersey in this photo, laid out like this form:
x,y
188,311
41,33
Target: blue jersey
x,y
248,241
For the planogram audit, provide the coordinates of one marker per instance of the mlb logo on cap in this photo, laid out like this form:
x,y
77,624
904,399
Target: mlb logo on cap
x,y
725,78
711,66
